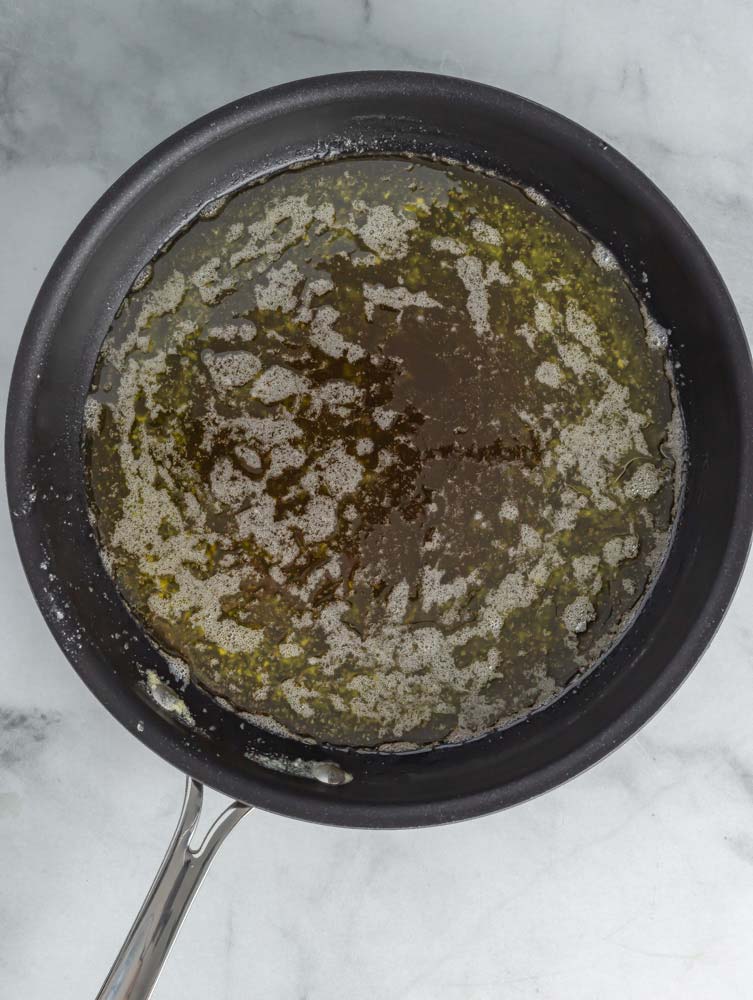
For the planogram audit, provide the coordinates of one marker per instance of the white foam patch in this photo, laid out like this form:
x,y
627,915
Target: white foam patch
x,y
549,374
508,511
528,333
644,482
385,231
544,317
536,196
484,233
231,369
229,485
211,285
276,538
477,280
214,208
657,336
582,327
319,519
617,550
578,615
143,278
162,300
278,383
604,258
610,431
585,567
436,591
283,457
278,294
313,289
329,340
384,417
398,299
268,238
529,537
234,232
340,472
337,395
92,414
244,332
446,244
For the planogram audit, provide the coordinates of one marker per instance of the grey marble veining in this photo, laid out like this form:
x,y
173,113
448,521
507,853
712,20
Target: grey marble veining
x,y
636,879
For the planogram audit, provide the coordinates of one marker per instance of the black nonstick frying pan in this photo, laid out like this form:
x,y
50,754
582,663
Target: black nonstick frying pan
x,y
345,115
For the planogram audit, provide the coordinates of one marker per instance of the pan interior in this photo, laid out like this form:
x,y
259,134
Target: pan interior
x,y
384,452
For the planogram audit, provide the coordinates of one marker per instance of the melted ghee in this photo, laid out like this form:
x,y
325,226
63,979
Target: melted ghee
x,y
385,451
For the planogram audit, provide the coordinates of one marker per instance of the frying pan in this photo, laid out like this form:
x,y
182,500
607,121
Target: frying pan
x,y
359,113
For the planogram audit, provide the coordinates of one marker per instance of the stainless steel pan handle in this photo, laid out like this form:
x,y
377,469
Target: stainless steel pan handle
x,y
137,967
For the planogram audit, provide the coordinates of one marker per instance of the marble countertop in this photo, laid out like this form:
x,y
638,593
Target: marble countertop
x,y
636,879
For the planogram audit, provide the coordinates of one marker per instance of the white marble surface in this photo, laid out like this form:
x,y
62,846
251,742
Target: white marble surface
x,y
633,881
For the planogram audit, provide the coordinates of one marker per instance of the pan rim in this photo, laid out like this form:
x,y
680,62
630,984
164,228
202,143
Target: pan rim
x,y
266,794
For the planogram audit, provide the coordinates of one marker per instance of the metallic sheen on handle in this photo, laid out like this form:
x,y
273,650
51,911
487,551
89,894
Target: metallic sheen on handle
x,y
182,871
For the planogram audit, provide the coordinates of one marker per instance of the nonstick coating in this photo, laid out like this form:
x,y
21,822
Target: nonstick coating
x,y
351,114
